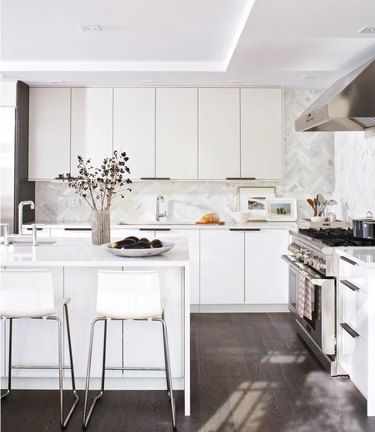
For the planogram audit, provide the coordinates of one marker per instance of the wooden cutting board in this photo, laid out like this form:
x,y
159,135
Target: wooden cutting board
x,y
210,223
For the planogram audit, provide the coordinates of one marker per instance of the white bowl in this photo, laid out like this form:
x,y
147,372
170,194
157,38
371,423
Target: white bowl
x,y
317,219
240,216
136,253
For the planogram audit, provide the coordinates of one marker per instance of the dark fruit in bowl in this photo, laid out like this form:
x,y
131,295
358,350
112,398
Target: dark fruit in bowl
x,y
132,238
156,243
144,239
138,245
120,244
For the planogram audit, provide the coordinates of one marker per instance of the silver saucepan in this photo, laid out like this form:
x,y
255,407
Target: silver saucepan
x,y
364,228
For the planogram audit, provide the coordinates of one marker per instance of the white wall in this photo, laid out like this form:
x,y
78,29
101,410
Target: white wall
x,y
355,173
308,171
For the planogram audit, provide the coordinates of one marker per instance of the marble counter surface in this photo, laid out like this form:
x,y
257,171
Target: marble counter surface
x,y
361,255
79,252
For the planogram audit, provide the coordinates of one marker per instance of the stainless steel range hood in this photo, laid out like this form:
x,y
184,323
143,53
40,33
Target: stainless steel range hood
x,y
349,105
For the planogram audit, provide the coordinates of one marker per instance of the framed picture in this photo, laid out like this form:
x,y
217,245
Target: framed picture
x,y
281,209
253,199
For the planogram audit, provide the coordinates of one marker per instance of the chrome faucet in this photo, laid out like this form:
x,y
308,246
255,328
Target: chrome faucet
x,y
20,213
159,199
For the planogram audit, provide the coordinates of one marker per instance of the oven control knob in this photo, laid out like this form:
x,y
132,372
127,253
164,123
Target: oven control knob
x,y
307,257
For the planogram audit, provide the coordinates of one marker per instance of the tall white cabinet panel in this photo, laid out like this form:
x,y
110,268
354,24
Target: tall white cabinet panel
x,y
134,128
176,133
219,133
266,274
49,133
91,125
222,267
262,133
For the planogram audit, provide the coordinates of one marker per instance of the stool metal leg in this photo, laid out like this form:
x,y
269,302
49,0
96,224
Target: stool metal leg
x,y
76,397
168,369
9,358
86,419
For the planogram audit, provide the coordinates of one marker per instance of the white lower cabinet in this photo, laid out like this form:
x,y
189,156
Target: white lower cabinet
x,y
41,232
71,232
353,358
266,274
222,267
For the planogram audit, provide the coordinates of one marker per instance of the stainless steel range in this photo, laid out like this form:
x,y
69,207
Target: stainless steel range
x,y
312,256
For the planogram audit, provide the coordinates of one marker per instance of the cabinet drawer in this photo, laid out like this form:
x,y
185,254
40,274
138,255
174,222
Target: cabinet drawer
x,y
352,307
353,358
353,272
41,232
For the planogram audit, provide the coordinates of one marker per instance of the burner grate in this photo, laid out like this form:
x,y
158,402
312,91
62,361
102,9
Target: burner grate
x,y
335,237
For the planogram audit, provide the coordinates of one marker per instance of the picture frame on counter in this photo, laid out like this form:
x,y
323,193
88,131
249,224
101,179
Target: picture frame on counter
x,y
253,199
281,209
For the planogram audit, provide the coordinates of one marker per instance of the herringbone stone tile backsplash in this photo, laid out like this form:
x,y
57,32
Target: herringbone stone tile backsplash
x,y
308,167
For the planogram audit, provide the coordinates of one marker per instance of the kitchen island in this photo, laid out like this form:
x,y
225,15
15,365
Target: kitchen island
x,y
74,264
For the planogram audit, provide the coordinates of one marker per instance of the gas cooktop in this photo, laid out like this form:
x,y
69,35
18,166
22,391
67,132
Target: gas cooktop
x,y
335,237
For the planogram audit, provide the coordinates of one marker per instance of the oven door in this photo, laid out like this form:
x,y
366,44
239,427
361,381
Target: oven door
x,y
321,328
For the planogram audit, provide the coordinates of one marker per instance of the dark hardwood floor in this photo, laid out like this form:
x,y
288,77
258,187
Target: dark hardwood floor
x,y
250,373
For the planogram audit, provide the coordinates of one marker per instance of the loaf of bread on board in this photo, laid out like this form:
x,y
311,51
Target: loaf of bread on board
x,y
210,218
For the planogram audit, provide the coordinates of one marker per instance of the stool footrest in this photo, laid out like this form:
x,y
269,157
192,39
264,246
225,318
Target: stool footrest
x,y
119,368
37,367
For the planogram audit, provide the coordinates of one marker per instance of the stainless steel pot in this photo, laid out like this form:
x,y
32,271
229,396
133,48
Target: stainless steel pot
x,y
364,228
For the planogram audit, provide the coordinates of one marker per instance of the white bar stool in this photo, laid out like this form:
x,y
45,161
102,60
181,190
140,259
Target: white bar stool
x,y
128,296
30,294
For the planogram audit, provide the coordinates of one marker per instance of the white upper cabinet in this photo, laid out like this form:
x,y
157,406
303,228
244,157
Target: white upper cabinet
x,y
91,125
176,133
219,133
266,283
262,133
134,129
49,133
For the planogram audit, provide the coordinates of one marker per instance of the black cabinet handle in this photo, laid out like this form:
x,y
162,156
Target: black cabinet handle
x,y
348,260
154,229
349,330
38,229
240,178
350,285
244,229
162,229
155,178
77,229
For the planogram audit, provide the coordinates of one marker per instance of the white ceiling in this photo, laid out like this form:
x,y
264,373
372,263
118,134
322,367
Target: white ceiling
x,y
185,42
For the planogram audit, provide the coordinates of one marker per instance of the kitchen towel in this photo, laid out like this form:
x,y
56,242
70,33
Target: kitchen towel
x,y
305,296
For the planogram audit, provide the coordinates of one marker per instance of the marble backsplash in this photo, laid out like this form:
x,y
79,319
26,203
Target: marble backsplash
x,y
355,173
308,170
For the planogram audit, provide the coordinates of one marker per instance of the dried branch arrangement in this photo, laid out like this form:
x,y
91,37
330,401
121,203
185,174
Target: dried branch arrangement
x,y
99,186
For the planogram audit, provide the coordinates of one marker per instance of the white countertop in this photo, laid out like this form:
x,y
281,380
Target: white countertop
x,y
80,252
362,255
171,224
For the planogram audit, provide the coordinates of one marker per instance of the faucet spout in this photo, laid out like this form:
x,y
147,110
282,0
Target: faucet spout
x,y
159,199
20,213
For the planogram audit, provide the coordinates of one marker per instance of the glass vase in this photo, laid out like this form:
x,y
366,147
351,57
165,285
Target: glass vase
x,y
100,227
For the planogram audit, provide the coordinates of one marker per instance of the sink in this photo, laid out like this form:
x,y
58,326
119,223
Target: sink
x,y
26,241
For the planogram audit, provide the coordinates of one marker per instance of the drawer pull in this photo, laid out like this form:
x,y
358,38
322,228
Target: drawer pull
x,y
38,229
155,178
349,330
77,229
154,229
350,285
348,260
240,178
244,229
162,229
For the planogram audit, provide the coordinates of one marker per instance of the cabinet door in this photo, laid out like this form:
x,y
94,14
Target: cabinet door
x,y
262,133
192,237
219,133
176,133
91,125
35,340
222,267
49,133
134,129
266,274
71,232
